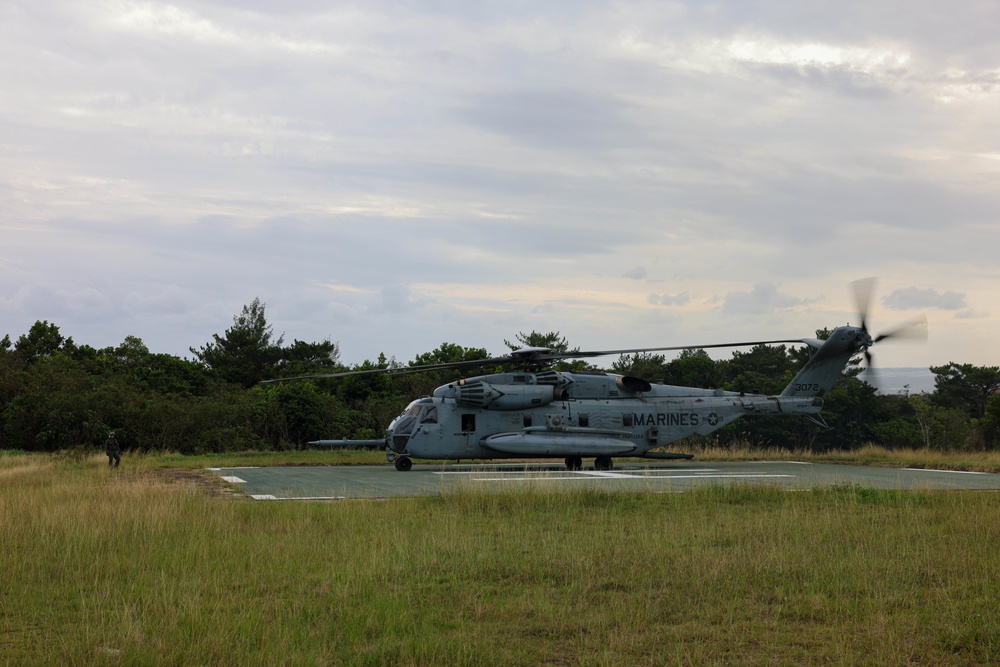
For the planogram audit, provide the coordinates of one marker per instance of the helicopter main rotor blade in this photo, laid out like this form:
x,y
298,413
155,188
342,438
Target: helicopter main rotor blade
x,y
638,350
399,370
528,357
915,329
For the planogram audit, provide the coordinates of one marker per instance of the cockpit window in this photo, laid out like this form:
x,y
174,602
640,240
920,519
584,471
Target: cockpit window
x,y
429,415
405,425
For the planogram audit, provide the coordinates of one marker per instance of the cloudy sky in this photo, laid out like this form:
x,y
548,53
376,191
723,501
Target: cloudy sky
x,y
392,175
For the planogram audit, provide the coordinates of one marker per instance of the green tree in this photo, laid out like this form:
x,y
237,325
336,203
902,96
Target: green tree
x,y
42,340
941,428
762,369
551,340
896,426
694,368
419,384
555,342
450,353
989,425
302,358
54,407
851,408
646,365
247,352
965,386
770,361
356,389
291,413
162,373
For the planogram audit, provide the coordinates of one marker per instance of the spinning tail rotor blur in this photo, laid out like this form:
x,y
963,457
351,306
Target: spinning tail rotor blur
x,y
914,329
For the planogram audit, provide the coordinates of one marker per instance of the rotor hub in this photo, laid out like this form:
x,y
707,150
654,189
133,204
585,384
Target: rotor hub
x,y
864,339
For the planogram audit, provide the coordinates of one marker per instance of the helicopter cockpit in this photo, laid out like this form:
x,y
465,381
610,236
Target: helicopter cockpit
x,y
420,411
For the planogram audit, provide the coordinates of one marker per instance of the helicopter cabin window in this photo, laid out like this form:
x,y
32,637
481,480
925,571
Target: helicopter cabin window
x,y
429,415
627,419
520,379
468,423
526,421
584,420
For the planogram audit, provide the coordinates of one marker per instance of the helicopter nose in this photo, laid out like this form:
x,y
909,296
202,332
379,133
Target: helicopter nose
x,y
399,432
399,442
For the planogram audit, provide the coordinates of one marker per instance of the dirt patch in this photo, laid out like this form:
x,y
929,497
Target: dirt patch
x,y
206,482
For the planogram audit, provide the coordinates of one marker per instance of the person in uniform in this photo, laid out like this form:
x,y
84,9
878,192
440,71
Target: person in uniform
x,y
113,450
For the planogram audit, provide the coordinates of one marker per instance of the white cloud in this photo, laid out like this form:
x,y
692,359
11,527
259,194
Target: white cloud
x,y
971,314
761,299
148,17
909,298
396,299
485,169
681,299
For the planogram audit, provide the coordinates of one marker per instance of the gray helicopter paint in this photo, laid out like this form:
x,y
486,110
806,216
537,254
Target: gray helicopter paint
x,y
335,482
562,414
585,427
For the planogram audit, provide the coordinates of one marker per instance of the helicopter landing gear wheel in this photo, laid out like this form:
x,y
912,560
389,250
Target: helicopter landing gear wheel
x,y
574,463
403,463
603,463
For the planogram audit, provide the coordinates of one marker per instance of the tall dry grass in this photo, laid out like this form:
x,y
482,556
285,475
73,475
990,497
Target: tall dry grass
x,y
986,461
103,567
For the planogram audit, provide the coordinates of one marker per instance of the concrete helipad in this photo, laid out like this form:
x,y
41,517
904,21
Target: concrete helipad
x,y
336,482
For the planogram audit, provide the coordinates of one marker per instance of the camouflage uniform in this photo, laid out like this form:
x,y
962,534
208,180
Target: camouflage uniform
x,y
113,450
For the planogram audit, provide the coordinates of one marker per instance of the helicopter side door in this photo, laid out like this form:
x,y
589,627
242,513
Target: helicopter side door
x,y
468,426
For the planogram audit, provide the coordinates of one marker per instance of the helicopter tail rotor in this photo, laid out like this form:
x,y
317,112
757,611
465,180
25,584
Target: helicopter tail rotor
x,y
915,329
862,290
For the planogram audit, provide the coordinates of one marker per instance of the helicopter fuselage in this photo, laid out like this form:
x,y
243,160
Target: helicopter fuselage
x,y
561,414
546,414
572,415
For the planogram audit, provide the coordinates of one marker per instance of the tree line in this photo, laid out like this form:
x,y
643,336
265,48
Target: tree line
x,y
56,394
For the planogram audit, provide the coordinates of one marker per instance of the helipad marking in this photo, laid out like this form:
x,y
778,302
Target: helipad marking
x,y
611,475
233,480
267,496
645,473
957,472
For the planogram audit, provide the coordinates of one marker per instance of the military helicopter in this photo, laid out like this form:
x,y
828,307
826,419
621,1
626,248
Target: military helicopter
x,y
539,412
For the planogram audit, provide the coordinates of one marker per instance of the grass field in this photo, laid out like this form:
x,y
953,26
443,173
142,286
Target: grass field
x,y
145,566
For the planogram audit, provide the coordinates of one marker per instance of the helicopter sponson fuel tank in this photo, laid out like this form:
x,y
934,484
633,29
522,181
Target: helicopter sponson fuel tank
x,y
568,442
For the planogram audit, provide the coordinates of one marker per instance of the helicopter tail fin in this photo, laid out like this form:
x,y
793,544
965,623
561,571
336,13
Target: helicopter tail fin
x,y
827,364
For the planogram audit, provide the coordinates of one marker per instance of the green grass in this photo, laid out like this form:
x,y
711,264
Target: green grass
x,y
869,455
130,567
165,460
